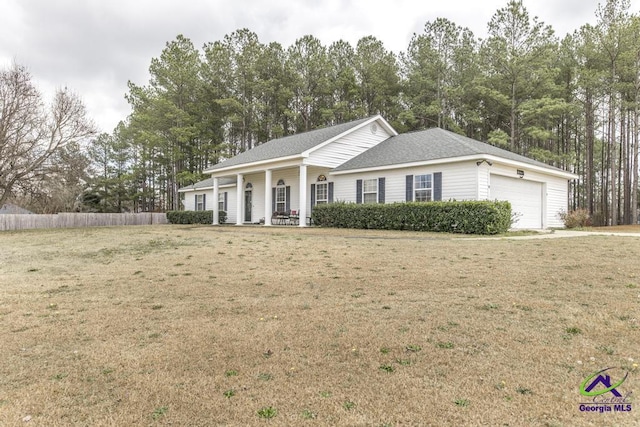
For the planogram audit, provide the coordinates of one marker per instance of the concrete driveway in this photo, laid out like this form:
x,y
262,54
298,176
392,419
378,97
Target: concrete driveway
x,y
557,234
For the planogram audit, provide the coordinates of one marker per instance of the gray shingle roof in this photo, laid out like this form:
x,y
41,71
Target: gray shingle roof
x,y
288,145
208,183
428,145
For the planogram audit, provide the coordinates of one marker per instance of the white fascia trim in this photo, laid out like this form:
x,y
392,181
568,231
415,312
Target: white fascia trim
x,y
502,160
254,166
384,123
543,170
205,188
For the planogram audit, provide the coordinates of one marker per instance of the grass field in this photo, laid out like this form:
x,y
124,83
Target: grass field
x,y
199,326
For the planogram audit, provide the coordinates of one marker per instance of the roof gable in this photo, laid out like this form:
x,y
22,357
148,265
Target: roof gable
x,y
430,145
293,145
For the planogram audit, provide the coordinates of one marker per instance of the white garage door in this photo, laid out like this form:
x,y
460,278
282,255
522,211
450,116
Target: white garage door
x,y
525,197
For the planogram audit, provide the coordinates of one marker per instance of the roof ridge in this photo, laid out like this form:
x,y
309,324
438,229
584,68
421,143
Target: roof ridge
x,y
306,132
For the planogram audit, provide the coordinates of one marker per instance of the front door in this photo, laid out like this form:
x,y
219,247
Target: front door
x,y
247,206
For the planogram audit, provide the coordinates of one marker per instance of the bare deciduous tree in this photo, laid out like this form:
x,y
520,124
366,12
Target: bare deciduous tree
x,y
31,133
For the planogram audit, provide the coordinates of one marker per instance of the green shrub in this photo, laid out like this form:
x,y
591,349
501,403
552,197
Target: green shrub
x,y
469,217
195,217
576,218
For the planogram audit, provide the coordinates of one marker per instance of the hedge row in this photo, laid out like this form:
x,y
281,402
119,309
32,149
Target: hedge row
x,y
469,217
195,217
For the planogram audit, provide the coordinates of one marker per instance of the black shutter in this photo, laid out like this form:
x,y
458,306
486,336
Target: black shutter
x,y
409,189
204,202
273,199
330,195
224,204
313,195
381,190
195,206
359,191
287,199
437,186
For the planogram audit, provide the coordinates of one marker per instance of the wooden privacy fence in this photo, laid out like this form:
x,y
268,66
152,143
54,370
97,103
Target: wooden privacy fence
x,y
70,220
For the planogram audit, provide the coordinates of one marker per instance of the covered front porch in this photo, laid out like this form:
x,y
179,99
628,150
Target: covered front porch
x,y
275,195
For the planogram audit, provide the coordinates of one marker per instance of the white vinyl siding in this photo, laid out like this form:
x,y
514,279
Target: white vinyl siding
x,y
339,151
557,201
190,198
483,181
231,204
461,181
189,201
458,182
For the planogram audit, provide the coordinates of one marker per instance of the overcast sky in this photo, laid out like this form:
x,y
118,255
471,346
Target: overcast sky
x,y
95,46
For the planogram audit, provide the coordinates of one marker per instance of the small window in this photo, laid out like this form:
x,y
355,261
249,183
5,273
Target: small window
x,y
370,190
423,188
200,204
221,206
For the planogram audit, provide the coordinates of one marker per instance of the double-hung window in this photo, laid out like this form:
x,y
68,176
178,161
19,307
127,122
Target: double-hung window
x,y
200,202
322,193
221,206
281,198
370,190
423,188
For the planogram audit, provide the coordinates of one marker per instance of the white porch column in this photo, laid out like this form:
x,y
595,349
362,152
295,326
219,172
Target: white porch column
x,y
267,197
216,208
239,198
303,196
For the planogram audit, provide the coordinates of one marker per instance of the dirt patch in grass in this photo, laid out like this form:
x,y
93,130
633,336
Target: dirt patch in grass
x,y
189,325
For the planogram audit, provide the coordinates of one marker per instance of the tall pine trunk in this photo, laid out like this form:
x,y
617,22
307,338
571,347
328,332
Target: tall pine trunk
x,y
589,146
625,167
612,148
513,117
634,164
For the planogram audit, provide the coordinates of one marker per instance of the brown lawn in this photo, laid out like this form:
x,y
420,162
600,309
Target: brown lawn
x,y
199,326
619,229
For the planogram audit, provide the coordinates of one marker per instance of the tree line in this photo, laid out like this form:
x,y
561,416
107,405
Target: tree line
x,y
570,102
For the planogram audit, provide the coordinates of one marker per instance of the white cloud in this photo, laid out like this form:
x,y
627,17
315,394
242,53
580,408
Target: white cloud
x,y
96,46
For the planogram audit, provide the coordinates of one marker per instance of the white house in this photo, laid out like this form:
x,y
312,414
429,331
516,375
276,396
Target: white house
x,y
366,161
